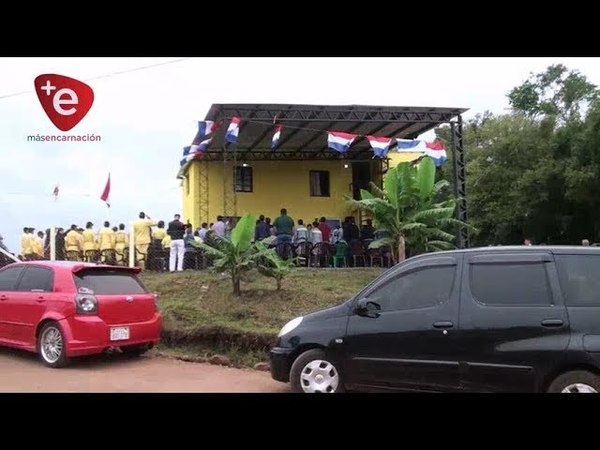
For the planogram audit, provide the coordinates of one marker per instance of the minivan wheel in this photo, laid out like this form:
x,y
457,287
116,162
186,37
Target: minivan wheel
x,y
51,346
312,372
576,382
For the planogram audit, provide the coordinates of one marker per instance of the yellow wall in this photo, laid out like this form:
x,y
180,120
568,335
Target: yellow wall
x,y
276,185
398,157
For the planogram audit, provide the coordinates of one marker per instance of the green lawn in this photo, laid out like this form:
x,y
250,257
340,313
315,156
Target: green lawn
x,y
194,299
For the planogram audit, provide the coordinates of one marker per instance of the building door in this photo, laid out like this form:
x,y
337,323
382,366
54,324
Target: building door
x,y
361,176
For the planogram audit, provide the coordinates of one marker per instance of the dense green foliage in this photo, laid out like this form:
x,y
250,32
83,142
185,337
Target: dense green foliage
x,y
533,173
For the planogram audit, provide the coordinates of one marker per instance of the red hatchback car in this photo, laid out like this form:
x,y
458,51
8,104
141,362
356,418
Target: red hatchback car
x,y
65,309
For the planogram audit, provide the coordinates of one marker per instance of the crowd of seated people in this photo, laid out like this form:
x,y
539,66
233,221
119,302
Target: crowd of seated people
x,y
317,244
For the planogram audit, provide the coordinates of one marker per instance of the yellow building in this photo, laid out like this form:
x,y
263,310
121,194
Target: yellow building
x,y
301,174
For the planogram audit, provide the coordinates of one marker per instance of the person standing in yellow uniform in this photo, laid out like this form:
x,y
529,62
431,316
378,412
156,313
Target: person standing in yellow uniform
x,y
106,238
73,241
121,242
26,243
142,236
159,232
38,245
89,239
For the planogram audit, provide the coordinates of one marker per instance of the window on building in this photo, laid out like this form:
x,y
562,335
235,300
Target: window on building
x,y
243,179
319,183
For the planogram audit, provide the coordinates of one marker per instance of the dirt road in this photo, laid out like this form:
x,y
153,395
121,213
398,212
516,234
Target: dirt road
x,y
22,372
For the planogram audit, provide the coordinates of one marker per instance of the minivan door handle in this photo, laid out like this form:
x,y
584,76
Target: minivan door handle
x,y
3,297
552,323
443,324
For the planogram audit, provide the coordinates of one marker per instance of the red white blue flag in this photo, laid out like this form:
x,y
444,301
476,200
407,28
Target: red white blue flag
x,y
436,149
380,145
340,141
233,130
276,137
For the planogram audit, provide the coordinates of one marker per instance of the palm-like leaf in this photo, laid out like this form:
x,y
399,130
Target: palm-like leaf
x,y
383,242
405,208
233,256
425,178
375,190
243,233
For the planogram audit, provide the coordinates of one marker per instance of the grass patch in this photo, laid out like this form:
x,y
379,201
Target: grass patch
x,y
238,357
195,299
200,314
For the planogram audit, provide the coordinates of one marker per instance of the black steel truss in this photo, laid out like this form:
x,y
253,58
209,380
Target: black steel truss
x,y
349,118
289,155
460,180
332,114
229,157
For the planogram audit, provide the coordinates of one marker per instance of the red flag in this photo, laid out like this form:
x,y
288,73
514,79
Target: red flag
x,y
105,197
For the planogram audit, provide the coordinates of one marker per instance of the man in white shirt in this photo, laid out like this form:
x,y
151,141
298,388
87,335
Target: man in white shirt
x,y
316,234
203,230
300,233
219,227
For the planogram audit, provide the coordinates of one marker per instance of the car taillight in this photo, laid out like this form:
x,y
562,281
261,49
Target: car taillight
x,y
155,302
86,304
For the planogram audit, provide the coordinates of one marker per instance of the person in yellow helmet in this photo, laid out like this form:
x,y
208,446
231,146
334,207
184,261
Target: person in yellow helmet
x,y
106,239
142,236
121,242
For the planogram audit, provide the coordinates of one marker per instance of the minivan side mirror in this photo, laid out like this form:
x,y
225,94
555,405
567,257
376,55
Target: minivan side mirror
x,y
367,308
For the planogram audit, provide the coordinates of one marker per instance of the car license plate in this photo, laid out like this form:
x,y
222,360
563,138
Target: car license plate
x,y
119,334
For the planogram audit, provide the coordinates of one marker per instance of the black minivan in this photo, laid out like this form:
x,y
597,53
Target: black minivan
x,y
493,319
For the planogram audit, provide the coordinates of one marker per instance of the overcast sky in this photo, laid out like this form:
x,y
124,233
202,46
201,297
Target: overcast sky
x,y
145,117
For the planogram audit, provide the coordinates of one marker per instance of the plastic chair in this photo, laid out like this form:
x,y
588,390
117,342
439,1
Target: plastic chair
x,y
341,250
357,251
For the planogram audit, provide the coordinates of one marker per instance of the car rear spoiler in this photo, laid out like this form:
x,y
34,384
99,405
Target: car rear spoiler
x,y
99,267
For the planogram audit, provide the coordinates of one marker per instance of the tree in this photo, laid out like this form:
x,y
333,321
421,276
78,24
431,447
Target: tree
x,y
271,265
408,210
555,93
236,255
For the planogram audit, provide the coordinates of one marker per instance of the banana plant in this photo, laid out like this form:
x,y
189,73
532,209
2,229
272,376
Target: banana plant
x,y
270,264
234,255
406,211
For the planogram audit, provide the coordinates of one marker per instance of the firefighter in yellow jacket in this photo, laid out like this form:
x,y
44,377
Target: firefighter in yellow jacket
x,y
142,229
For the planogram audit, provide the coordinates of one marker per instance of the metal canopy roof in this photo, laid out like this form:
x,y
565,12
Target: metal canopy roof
x,y
305,127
